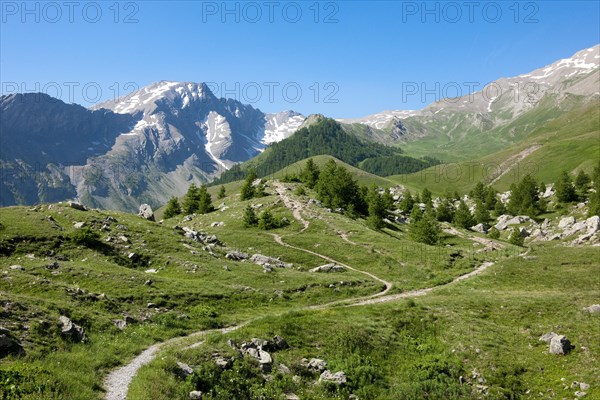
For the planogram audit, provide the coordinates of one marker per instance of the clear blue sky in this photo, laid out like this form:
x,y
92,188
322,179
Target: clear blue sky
x,y
360,54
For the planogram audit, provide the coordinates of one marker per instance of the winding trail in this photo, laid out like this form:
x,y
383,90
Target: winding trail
x,y
117,382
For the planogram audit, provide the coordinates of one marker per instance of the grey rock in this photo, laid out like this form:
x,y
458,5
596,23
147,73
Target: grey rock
x,y
339,378
70,330
593,309
195,395
236,256
146,212
270,261
217,224
566,222
593,224
317,365
560,345
9,345
16,267
291,396
77,206
579,394
222,362
120,323
584,386
332,267
79,225
547,337
184,370
481,228
283,369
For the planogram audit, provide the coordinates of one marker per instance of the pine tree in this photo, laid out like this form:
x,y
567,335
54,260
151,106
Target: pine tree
x,y
482,215
191,199
247,191
266,220
426,196
494,233
565,191
582,183
425,230
204,201
463,217
173,208
524,198
516,238
376,208
490,198
388,199
222,192
445,211
250,218
310,174
416,214
407,202
478,192
499,209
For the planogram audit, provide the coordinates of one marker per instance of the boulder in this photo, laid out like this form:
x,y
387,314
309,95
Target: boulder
x,y
184,370
593,224
236,256
195,395
339,378
70,330
519,219
78,225
217,224
146,212
523,232
276,344
559,344
283,369
566,222
547,337
332,267
222,362
502,222
16,267
593,309
481,228
77,206
270,261
291,396
120,323
9,345
317,365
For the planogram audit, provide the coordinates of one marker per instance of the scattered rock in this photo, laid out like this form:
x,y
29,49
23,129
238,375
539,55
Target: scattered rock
x,y
78,225
146,212
195,395
16,267
53,265
236,256
77,206
584,386
267,268
222,362
70,330
122,227
217,224
559,344
151,305
593,309
184,370
580,394
339,378
547,337
317,365
123,239
481,228
120,323
291,396
566,222
593,224
283,369
332,267
262,260
9,345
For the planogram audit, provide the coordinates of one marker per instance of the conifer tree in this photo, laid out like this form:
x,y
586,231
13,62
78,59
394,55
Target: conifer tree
x,y
565,191
247,190
463,217
191,199
173,208
204,201
310,174
250,218
222,192
376,208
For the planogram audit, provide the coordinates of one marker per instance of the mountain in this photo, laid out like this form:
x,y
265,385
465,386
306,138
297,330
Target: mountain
x,y
501,114
144,147
325,136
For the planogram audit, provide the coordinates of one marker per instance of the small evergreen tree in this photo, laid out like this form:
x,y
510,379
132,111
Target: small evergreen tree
x,y
247,190
388,199
582,183
516,238
479,192
594,203
310,174
266,220
463,217
376,208
565,191
490,198
173,208
524,198
191,199
250,218
204,201
482,215
425,230
499,208
407,202
416,214
494,233
222,192
445,211
426,196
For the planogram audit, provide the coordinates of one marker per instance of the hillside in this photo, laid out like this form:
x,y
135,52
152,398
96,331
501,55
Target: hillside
x,y
126,282
569,142
323,137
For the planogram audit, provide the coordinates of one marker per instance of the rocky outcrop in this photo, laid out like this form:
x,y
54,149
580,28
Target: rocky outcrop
x,y
263,261
70,330
145,211
332,267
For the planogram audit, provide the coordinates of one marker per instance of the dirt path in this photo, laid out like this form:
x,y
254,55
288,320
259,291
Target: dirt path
x,y
489,244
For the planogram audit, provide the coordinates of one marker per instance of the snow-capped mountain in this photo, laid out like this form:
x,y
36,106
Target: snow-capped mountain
x,y
497,103
169,135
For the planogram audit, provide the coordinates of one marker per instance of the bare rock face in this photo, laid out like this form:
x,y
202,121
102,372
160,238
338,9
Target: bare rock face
x,y
146,212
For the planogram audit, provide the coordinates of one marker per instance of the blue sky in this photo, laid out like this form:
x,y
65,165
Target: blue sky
x,y
342,59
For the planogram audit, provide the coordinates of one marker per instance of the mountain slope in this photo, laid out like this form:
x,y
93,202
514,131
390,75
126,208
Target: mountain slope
x,y
144,147
499,115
